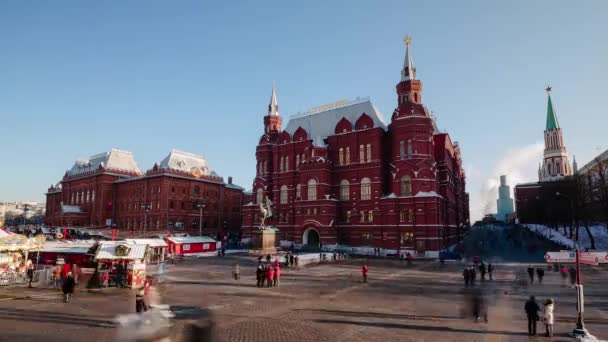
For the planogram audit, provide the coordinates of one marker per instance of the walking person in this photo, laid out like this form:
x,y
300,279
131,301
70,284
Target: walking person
x,y
140,305
472,275
364,271
532,309
269,276
531,274
564,272
467,276
482,271
409,258
57,276
572,272
236,271
259,274
30,272
277,276
297,261
68,287
491,271
291,260
548,317
540,273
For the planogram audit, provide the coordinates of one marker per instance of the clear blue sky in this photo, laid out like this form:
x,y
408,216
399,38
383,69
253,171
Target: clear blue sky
x,y
80,77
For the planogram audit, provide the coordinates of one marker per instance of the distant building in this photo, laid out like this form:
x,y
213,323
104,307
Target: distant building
x,y
109,190
593,189
504,203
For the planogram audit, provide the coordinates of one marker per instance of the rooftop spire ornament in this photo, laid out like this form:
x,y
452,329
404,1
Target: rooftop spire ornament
x,y
548,89
407,40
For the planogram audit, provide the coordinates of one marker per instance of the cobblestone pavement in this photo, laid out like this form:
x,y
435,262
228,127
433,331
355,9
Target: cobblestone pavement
x,y
328,302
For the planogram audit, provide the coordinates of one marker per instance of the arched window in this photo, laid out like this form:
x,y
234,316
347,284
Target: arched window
x,y
406,186
409,149
93,196
284,194
347,156
557,168
341,156
281,165
297,160
303,158
286,163
361,154
312,190
401,150
259,196
266,166
298,191
369,153
344,190
197,190
366,189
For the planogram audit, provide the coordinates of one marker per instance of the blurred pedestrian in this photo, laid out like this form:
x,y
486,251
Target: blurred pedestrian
x,y
269,276
68,287
531,273
297,261
540,273
364,271
467,276
140,305
236,271
57,276
259,274
548,317
472,275
532,309
564,273
291,262
409,258
277,276
572,272
491,271
482,271
479,306
30,272
268,258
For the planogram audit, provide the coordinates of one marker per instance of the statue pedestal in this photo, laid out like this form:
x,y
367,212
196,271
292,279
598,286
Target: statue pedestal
x,y
264,241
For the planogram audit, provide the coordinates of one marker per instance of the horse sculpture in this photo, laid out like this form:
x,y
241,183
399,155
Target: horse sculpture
x,y
265,212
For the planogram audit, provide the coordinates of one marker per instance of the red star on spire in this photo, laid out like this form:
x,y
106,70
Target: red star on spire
x,y
548,89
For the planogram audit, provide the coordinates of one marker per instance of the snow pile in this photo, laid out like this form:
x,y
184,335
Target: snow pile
x,y
589,338
600,235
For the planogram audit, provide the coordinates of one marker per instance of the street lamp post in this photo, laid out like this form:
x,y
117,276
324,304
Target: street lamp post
x,y
579,330
146,208
200,207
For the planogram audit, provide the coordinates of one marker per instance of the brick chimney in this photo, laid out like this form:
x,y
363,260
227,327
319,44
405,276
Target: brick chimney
x,y
230,180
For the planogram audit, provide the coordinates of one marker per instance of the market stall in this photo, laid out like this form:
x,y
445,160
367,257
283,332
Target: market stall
x,y
14,249
123,262
192,245
157,249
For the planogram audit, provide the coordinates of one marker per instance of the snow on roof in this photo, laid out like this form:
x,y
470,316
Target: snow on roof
x,y
117,160
4,233
186,162
322,124
427,194
149,242
190,239
107,251
233,186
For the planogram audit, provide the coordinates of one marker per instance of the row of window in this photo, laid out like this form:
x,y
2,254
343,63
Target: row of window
x,y
139,224
82,197
366,192
405,238
402,154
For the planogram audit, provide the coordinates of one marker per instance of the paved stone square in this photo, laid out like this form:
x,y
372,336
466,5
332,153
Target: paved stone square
x,y
328,302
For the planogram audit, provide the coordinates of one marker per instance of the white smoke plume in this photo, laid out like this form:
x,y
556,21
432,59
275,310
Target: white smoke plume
x,y
519,164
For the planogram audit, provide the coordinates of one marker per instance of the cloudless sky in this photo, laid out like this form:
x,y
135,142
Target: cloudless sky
x,y
80,77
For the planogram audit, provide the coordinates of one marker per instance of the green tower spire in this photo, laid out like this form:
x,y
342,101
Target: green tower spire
x,y
551,117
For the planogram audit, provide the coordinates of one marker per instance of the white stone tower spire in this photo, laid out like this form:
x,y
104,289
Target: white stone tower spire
x,y
273,106
408,72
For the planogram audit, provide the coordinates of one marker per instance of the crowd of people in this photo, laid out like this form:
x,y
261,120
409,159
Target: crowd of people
x,y
268,273
469,274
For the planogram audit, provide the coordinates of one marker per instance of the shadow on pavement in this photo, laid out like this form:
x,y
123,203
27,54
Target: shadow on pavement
x,y
52,317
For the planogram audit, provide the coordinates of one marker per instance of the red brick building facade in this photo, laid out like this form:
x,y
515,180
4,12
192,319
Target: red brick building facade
x,y
340,174
180,194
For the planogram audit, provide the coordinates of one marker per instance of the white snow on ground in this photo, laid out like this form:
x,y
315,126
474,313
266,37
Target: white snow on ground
x,y
600,234
590,338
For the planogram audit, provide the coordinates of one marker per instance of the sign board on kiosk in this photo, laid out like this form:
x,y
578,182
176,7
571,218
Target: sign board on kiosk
x,y
587,258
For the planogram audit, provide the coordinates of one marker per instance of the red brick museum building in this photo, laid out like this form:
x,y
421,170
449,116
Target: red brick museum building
x,y
340,174
180,193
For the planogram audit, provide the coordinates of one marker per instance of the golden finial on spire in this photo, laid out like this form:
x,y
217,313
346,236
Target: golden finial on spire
x,y
407,40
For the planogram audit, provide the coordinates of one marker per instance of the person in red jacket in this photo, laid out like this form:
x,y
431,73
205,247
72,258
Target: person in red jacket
x,y
270,276
277,275
364,272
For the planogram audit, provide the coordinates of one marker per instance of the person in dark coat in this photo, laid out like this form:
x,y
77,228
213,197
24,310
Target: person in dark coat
x,y
268,257
259,274
482,271
467,276
140,304
472,275
531,274
68,287
490,271
532,309
540,273
291,260
572,272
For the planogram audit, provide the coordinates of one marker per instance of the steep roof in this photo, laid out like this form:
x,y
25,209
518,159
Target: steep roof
x,y
186,162
321,124
552,122
117,160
